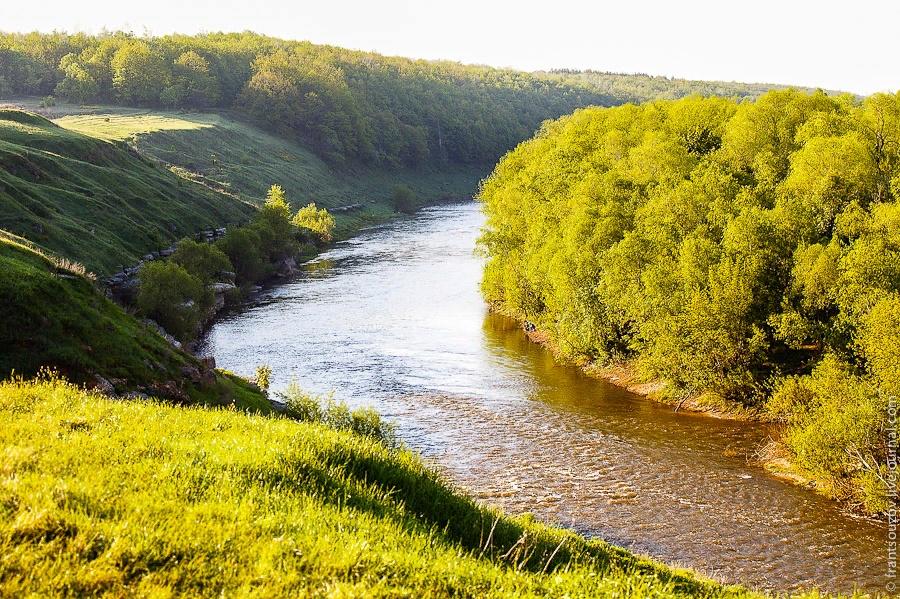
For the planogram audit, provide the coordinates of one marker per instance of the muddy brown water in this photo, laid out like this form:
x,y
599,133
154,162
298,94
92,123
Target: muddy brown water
x,y
393,319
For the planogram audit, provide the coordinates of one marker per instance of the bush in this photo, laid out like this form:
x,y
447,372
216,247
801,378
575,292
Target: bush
x,y
836,430
363,421
317,220
173,297
241,246
203,260
263,376
403,199
277,234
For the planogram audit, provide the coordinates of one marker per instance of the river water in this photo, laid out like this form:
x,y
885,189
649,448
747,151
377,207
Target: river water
x,y
393,319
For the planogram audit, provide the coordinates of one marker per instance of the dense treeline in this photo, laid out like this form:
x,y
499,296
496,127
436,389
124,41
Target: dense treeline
x,y
751,250
640,87
179,292
349,105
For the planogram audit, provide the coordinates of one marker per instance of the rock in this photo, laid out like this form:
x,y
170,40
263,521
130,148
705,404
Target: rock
x,y
170,390
167,252
221,288
148,258
103,386
286,267
227,275
208,362
162,332
529,327
192,373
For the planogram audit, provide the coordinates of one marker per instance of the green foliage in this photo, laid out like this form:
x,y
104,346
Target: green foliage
x,y
203,260
317,220
52,318
349,106
117,498
263,376
173,297
272,223
403,199
837,426
241,245
301,406
719,245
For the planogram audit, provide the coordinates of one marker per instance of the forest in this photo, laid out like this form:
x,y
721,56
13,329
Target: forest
x,y
348,105
748,251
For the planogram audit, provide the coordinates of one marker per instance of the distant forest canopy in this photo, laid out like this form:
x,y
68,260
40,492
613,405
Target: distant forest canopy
x,y
348,105
640,87
749,250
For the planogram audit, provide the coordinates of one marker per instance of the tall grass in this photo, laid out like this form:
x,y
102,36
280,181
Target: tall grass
x,y
111,498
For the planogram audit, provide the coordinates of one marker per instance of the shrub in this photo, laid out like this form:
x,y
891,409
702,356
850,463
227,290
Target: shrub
x,y
241,246
263,376
204,261
317,220
277,234
338,415
173,297
403,199
836,427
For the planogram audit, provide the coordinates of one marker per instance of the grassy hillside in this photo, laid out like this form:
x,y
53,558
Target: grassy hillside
x,y
94,201
229,154
111,498
52,316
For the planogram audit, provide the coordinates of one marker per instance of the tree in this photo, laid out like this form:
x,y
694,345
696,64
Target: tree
x,y
139,74
78,84
242,247
203,260
192,83
317,220
173,297
273,224
403,199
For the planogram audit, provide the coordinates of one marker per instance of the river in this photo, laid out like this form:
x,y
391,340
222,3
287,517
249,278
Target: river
x,y
393,319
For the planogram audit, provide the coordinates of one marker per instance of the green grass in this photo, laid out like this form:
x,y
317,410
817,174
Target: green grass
x,y
95,201
106,185
113,498
52,317
236,157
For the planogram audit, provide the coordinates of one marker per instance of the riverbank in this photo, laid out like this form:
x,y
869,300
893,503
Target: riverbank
x,y
207,502
772,456
625,375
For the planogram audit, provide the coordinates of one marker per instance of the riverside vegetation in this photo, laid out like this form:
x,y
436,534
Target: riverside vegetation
x,y
319,500
743,253
178,293
346,105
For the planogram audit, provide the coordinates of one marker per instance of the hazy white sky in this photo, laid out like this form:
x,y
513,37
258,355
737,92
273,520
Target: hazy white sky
x,y
852,46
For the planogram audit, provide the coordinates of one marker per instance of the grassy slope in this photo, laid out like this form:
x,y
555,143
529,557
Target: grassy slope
x,y
109,497
51,317
238,158
94,201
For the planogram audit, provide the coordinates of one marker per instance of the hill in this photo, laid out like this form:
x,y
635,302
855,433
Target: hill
x,y
347,106
119,498
94,201
229,154
52,315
